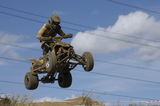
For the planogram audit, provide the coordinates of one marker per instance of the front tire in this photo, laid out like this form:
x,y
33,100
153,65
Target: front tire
x,y
88,60
50,62
31,81
65,80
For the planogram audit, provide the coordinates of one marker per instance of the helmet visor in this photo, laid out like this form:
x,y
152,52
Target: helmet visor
x,y
53,22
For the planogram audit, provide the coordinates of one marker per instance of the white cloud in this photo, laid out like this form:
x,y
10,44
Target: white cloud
x,y
4,95
72,97
58,12
137,24
48,99
13,54
107,103
6,48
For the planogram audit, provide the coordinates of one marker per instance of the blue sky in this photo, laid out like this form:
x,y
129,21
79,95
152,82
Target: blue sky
x,y
104,17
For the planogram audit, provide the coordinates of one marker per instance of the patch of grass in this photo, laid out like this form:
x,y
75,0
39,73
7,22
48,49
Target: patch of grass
x,y
27,100
17,100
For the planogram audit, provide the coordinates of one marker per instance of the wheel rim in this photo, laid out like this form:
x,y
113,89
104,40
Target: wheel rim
x,y
47,63
85,61
27,80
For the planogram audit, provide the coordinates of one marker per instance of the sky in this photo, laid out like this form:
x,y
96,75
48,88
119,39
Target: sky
x,y
123,40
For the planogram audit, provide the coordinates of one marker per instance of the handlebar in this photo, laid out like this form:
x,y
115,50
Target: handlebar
x,y
59,38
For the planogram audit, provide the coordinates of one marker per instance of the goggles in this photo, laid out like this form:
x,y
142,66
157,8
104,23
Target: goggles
x,y
53,22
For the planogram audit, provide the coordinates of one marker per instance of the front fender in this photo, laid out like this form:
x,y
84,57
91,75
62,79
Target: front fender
x,y
36,61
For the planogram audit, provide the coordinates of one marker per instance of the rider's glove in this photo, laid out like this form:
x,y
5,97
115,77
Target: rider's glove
x,y
68,36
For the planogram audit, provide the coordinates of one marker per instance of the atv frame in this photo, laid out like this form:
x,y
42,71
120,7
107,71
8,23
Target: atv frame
x,y
62,59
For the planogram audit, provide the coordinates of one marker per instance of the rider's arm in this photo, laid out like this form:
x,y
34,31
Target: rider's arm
x,y
41,32
60,32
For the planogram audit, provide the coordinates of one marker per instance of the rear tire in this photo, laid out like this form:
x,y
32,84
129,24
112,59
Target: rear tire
x,y
50,62
88,60
31,81
65,80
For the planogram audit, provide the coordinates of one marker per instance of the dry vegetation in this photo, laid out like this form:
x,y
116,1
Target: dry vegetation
x,y
16,100
26,100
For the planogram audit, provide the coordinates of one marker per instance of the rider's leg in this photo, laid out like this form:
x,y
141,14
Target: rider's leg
x,y
45,50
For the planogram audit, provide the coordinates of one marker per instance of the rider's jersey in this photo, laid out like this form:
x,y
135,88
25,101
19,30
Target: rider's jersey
x,y
50,30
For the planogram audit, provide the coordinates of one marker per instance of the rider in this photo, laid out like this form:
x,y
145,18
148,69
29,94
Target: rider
x,y
48,31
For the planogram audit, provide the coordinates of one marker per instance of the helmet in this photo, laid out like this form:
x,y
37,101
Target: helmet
x,y
55,19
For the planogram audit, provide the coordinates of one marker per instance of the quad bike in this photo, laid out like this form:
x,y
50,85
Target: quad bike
x,y
61,59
